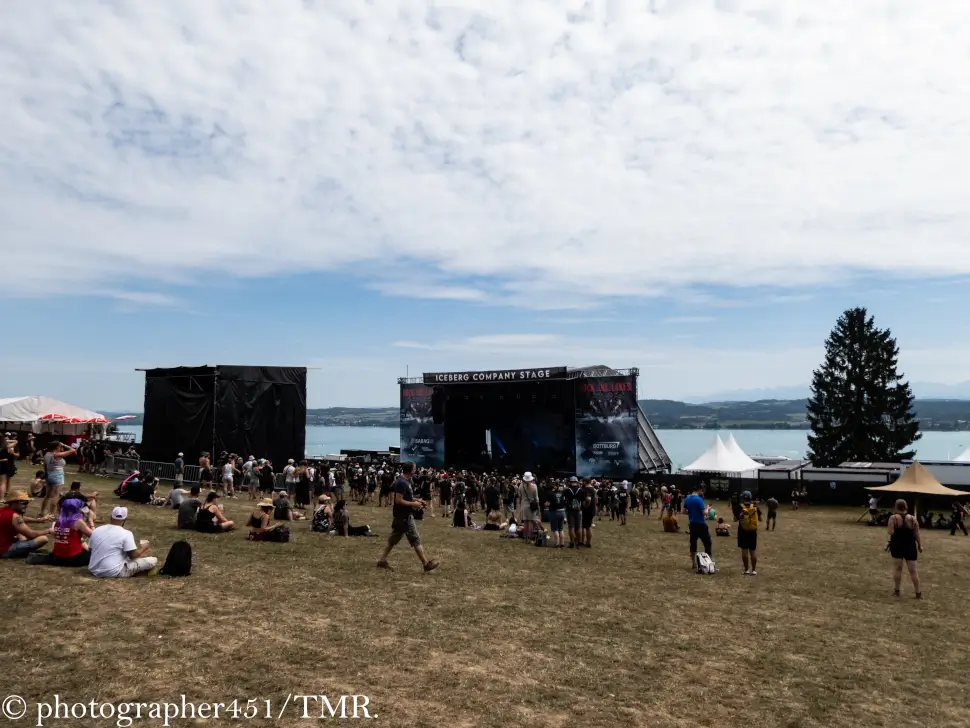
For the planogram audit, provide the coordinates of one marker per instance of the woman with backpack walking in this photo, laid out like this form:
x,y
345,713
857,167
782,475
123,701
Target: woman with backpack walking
x,y
748,519
904,545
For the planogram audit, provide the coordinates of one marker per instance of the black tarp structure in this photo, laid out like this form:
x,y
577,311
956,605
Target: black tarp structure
x,y
257,411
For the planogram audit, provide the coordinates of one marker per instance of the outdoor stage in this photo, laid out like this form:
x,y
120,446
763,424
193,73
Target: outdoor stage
x,y
582,422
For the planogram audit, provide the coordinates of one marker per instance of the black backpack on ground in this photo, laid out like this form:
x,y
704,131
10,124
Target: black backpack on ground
x,y
179,560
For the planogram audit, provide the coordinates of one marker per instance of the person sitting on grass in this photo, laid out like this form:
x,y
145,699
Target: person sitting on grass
x,y
512,530
283,510
461,518
341,522
89,501
69,530
670,521
189,509
16,538
493,521
322,516
209,519
175,497
722,528
113,550
260,527
38,488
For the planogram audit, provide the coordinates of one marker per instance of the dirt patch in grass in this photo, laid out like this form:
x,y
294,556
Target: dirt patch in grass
x,y
505,633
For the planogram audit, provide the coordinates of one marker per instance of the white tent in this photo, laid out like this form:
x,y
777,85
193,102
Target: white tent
x,y
735,449
35,412
719,459
963,457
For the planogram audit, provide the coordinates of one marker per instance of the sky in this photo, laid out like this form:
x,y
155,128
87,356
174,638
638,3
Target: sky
x,y
697,188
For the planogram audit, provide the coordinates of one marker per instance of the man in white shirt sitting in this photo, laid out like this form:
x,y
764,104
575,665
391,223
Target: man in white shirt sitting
x,y
113,550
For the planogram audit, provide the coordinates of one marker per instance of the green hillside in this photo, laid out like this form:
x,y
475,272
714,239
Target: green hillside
x,y
770,414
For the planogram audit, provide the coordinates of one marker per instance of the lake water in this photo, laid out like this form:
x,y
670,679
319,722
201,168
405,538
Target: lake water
x,y
683,446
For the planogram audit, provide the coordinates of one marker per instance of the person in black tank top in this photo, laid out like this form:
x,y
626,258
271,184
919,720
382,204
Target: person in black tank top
x,y
209,518
904,546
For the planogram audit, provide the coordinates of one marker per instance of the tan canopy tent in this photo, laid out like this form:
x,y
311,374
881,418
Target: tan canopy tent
x,y
918,481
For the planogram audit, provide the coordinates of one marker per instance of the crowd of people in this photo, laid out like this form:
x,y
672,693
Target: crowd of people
x,y
559,512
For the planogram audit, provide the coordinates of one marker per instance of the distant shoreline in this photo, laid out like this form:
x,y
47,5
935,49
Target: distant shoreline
x,y
667,414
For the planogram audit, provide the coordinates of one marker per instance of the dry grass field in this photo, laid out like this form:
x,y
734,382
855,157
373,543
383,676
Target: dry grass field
x,y
506,634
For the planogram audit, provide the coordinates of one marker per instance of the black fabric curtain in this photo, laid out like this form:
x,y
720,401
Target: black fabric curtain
x,y
178,413
261,411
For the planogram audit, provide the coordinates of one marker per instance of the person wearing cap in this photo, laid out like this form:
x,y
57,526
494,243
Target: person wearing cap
x,y
179,470
114,553
16,538
573,495
748,533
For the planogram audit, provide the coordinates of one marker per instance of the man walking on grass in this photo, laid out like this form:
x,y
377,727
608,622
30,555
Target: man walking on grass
x,y
772,520
748,533
696,511
574,514
402,524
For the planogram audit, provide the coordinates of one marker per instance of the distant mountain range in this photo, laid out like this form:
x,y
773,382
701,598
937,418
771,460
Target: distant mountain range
x,y
922,390
771,414
787,414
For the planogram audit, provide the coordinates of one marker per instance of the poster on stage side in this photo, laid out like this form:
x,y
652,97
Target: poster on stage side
x,y
422,441
606,427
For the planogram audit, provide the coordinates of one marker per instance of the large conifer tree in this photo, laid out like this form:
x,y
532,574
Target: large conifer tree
x,y
861,410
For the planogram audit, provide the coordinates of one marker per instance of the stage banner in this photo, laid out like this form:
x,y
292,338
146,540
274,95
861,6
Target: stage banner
x,y
422,441
606,427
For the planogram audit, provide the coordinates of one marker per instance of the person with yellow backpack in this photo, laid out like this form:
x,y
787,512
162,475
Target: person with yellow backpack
x,y
748,520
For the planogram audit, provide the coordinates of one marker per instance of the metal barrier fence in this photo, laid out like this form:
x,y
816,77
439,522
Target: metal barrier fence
x,y
166,471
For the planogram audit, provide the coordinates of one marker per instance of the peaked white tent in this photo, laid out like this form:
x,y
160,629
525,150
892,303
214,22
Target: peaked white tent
x,y
735,449
44,414
963,457
719,459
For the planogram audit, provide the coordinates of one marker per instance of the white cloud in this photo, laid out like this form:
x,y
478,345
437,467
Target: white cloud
x,y
422,289
568,151
689,319
143,298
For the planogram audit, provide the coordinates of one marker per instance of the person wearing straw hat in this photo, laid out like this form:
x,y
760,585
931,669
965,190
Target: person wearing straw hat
x,y
16,538
114,553
260,526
